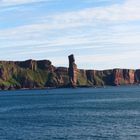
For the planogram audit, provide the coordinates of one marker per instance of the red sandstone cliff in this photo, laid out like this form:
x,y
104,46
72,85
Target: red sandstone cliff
x,y
40,74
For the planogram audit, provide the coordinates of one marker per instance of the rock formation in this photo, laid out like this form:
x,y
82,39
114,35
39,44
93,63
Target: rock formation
x,y
123,76
72,71
40,74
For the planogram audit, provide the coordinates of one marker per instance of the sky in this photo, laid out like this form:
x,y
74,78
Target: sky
x,y
102,34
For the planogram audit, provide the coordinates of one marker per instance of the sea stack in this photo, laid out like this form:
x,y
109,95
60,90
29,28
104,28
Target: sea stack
x,y
72,71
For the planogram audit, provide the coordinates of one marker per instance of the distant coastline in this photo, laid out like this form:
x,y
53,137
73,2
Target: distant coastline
x,y
32,74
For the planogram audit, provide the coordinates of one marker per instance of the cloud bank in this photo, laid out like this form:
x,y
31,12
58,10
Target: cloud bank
x,y
103,34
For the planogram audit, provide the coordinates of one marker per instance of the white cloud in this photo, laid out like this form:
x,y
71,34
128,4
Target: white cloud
x,y
90,28
118,12
92,17
129,11
17,2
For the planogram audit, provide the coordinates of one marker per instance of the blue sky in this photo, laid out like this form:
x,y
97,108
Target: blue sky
x,y
102,34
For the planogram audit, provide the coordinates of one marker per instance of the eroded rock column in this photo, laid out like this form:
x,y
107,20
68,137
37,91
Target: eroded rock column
x,y
72,71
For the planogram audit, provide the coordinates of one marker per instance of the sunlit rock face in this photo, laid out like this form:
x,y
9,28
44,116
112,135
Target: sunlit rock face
x,y
41,74
72,71
123,76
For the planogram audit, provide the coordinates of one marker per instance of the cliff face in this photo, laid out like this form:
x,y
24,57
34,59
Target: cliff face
x,y
31,74
40,74
124,76
137,76
113,77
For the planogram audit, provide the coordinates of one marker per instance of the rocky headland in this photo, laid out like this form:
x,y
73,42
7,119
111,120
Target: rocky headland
x,y
32,74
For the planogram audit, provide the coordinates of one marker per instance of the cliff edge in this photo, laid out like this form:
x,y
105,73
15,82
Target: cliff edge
x,y
42,74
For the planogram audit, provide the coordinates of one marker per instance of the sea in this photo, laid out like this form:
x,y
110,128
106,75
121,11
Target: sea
x,y
109,113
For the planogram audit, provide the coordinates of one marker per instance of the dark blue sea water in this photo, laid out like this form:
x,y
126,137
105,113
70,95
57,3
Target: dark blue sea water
x,y
111,113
